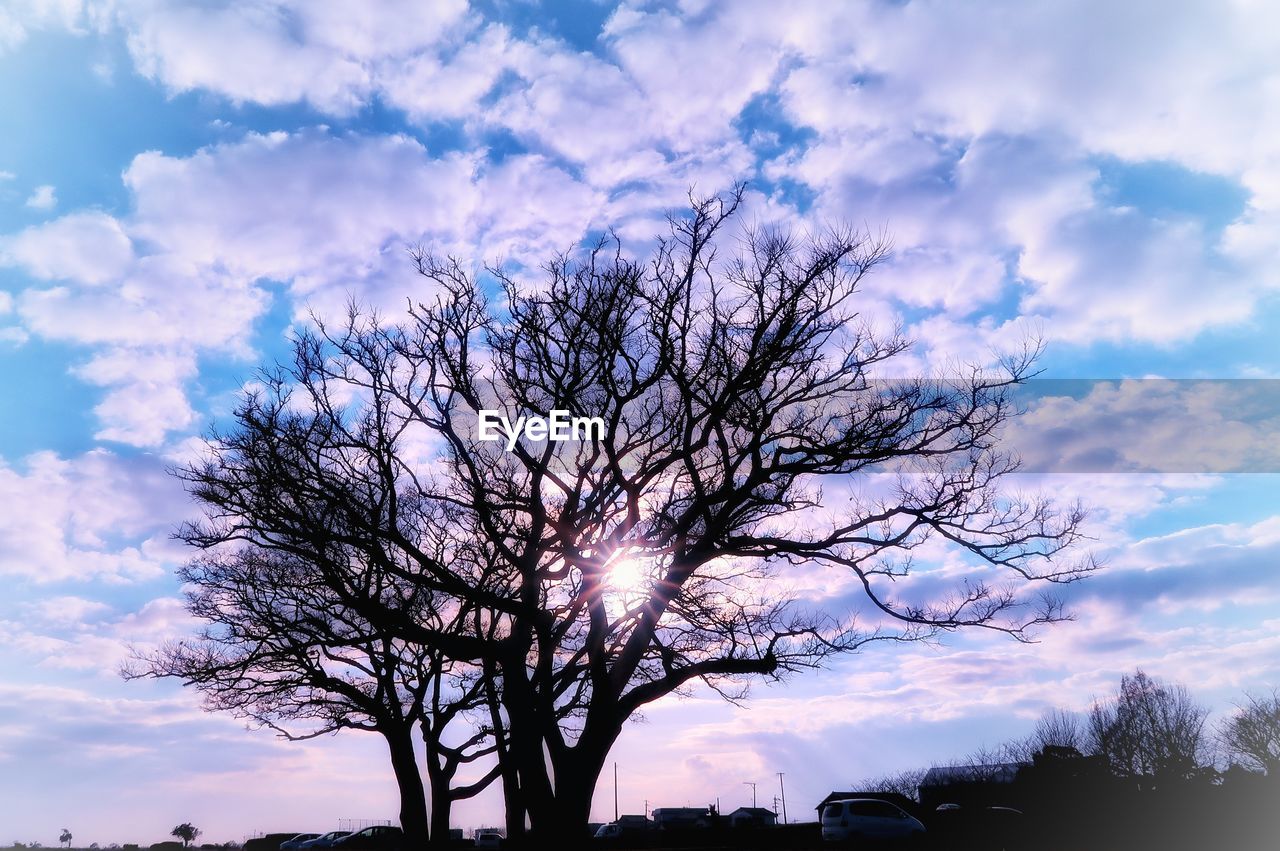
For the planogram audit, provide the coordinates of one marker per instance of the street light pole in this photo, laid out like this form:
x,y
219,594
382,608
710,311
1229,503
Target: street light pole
x,y
783,787
753,792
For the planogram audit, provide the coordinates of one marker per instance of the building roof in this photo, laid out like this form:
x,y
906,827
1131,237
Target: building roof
x,y
945,775
753,811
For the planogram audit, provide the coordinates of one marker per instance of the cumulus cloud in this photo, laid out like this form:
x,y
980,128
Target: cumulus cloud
x,y
333,215
145,398
77,634
326,53
19,17
92,516
43,198
87,247
1149,425
330,216
957,152
993,202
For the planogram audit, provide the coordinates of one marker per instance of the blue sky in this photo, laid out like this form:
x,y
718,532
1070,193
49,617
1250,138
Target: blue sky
x,y
181,182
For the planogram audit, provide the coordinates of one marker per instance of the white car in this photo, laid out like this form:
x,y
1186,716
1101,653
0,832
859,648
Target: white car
x,y
868,819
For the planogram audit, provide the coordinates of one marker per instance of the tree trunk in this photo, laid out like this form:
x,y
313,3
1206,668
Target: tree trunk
x,y
512,800
441,800
413,797
525,736
575,785
577,771
513,805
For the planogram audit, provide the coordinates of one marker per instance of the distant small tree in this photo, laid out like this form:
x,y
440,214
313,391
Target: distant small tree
x,y
990,762
187,832
1149,729
906,783
65,837
1252,734
1057,728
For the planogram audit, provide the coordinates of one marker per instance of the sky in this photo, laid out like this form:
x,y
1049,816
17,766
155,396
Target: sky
x,y
182,184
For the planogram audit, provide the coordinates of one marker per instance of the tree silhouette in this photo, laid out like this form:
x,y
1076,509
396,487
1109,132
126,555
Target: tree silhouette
x,y
282,650
65,837
1056,728
1149,730
1252,733
187,832
748,441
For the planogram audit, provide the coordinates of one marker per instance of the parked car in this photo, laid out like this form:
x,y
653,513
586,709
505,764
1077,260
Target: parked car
x,y
270,842
626,825
868,819
978,828
325,840
488,840
377,838
611,830
298,841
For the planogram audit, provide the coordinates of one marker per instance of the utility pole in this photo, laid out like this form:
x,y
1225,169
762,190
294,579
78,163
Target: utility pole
x,y
615,790
782,786
753,792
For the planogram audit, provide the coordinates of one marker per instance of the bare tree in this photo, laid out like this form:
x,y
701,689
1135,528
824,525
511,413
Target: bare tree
x,y
1149,730
1252,734
905,783
281,650
1057,728
187,832
605,574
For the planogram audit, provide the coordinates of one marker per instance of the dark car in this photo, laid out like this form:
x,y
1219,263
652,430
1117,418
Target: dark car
x,y
270,842
978,828
325,841
377,838
298,841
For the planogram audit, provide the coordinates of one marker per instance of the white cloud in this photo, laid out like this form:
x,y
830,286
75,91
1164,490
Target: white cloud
x,y
77,634
966,150
19,17
145,400
330,216
43,198
69,609
325,52
1154,425
974,168
88,247
85,517
431,86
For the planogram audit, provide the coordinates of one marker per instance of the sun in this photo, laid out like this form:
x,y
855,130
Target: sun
x,y
627,576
